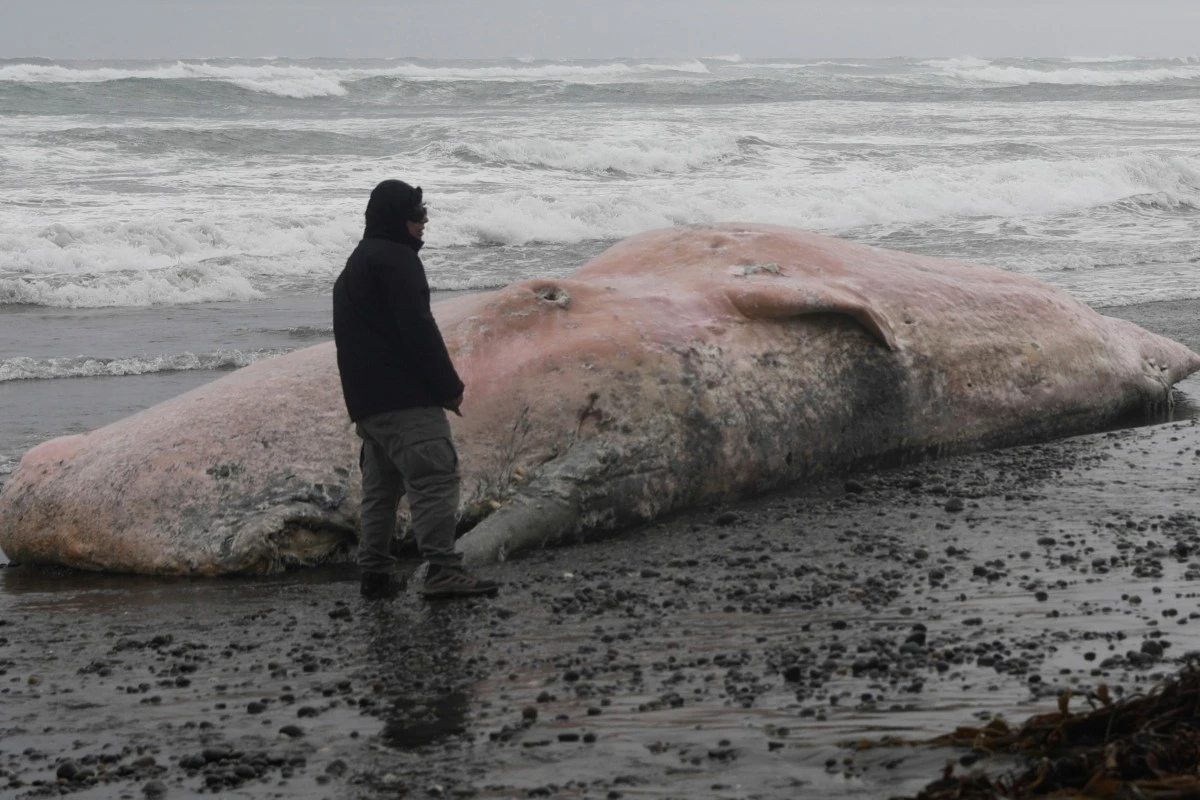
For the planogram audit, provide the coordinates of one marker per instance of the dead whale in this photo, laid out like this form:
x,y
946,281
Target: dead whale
x,y
681,367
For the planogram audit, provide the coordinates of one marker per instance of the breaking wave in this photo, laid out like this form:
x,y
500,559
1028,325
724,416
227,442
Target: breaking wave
x,y
377,80
242,254
1069,74
644,157
302,81
23,368
176,286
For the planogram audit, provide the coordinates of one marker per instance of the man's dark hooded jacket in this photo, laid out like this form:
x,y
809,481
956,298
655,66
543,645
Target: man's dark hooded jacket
x,y
390,353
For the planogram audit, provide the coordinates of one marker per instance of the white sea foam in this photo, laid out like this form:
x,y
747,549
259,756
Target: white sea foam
x,y
834,202
796,65
986,72
240,253
100,211
550,71
959,62
292,80
305,331
1105,59
643,156
173,286
23,368
305,80
289,81
159,260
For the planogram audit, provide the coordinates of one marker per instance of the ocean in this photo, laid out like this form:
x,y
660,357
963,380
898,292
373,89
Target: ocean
x,y
163,222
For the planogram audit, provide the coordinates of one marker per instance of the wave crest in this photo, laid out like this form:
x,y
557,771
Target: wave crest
x,y
24,368
303,82
623,157
197,283
1130,74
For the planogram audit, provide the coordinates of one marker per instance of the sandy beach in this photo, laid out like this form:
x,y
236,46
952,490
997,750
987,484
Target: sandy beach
x,y
731,652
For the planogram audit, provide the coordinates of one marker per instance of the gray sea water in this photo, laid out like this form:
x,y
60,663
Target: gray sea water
x,y
162,222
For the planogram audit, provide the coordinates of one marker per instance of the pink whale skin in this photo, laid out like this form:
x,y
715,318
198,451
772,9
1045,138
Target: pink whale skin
x,y
681,367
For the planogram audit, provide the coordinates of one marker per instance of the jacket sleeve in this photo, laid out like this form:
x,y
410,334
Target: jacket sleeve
x,y
408,299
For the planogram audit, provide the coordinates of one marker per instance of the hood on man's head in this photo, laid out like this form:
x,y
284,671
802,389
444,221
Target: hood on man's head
x,y
392,204
392,200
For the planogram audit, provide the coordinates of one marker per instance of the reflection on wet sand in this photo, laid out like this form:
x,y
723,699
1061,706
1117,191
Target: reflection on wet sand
x,y
416,671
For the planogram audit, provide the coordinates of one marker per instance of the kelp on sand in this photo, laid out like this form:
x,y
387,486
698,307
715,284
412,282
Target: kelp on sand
x,y
1144,747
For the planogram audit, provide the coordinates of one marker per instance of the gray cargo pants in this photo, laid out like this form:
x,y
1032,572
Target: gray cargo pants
x,y
408,451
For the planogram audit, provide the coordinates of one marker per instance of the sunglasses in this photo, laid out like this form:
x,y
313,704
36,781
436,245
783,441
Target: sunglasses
x,y
418,213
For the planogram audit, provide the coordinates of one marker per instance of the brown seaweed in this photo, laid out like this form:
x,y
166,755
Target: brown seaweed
x,y
1143,747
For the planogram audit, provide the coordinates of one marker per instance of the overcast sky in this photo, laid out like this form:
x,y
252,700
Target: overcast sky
x,y
562,29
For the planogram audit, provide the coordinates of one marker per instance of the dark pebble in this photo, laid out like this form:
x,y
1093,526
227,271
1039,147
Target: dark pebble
x,y
293,731
215,753
726,518
192,762
155,789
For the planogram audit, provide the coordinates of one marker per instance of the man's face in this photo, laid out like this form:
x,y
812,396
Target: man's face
x,y
417,229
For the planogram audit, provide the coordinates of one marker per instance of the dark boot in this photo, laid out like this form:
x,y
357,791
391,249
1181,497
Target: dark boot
x,y
381,585
447,581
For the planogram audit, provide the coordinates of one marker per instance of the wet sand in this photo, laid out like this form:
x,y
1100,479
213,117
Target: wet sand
x,y
732,652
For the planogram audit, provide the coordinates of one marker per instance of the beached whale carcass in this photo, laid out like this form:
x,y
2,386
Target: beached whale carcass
x,y
680,367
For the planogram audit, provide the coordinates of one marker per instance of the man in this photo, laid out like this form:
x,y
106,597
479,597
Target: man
x,y
398,380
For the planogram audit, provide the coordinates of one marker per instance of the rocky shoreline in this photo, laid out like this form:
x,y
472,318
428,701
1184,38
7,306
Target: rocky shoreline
x,y
760,650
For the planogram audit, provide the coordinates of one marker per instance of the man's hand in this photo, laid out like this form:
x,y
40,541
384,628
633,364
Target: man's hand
x,y
452,405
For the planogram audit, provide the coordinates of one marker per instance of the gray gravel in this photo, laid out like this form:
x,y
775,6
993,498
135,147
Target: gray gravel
x,y
733,652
